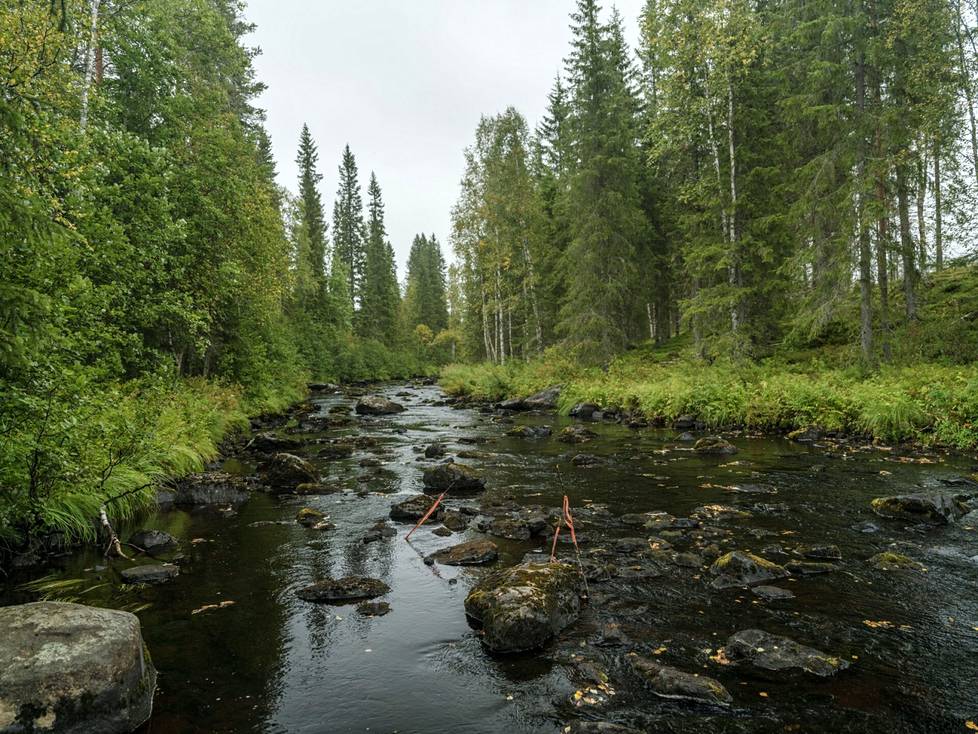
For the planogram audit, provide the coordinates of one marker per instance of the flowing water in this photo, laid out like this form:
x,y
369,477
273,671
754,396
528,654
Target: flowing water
x,y
273,663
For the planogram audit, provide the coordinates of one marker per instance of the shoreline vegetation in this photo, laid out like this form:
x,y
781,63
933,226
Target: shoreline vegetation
x,y
930,404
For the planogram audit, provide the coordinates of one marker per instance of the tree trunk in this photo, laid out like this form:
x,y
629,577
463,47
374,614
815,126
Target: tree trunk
x,y
938,213
921,202
906,244
89,63
734,270
966,87
865,274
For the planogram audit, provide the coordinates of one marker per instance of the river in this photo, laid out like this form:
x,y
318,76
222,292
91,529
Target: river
x,y
271,662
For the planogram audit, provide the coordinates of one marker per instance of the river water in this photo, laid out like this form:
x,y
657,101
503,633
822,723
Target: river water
x,y
270,662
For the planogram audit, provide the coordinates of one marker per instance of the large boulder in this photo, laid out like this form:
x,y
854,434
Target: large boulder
x,y
780,654
939,508
284,472
523,607
456,477
270,443
472,553
343,591
669,682
72,669
740,568
376,405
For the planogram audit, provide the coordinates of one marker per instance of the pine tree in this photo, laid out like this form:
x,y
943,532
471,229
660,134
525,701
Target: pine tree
x,y
349,232
425,299
380,296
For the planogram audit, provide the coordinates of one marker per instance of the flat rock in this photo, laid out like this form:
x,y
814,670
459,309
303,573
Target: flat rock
x,y
453,477
156,573
73,669
471,553
774,653
343,591
669,682
740,568
376,405
523,607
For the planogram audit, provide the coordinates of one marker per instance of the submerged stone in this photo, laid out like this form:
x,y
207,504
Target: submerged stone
x,y
344,590
669,682
739,568
772,593
771,652
69,668
373,608
523,607
153,542
412,509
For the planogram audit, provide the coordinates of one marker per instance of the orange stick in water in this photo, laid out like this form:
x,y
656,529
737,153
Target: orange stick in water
x,y
427,514
553,549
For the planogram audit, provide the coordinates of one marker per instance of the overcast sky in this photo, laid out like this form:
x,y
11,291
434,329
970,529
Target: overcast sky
x,y
404,83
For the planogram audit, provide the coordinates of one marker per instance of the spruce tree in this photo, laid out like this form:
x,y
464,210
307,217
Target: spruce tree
x,y
426,300
606,219
348,228
311,260
380,296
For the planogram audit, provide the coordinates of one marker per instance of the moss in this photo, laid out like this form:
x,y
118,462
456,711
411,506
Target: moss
x,y
890,561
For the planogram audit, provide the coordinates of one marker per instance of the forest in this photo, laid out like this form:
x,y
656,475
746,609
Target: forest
x,y
761,204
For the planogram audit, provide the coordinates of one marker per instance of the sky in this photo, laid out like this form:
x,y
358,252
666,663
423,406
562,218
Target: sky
x,y
404,82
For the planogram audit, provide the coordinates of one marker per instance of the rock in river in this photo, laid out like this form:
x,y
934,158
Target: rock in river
x,y
770,652
457,477
68,668
156,573
523,607
376,405
343,591
939,508
739,568
472,553
153,541
890,561
714,446
670,682
412,509
576,434
207,488
772,593
285,472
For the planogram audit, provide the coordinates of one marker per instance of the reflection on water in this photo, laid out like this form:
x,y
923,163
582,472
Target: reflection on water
x,y
272,663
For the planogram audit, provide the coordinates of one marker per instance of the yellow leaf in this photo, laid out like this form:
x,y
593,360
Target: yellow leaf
x,y
971,725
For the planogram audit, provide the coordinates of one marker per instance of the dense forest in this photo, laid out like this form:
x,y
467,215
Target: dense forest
x,y
781,190
156,284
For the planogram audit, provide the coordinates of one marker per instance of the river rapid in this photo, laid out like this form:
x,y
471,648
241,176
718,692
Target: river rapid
x,y
271,662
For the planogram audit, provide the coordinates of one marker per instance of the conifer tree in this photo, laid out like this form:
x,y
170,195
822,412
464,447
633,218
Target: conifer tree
x,y
349,232
425,299
311,260
380,296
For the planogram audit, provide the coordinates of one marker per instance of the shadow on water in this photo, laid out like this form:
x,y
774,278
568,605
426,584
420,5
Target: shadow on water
x,y
273,663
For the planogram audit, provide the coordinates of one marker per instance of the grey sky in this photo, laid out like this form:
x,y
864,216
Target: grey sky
x,y
404,83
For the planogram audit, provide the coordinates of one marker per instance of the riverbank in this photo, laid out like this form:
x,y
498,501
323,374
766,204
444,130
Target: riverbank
x,y
931,404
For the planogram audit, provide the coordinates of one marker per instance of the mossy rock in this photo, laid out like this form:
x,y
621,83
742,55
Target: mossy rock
x,y
307,517
523,607
890,561
714,446
740,568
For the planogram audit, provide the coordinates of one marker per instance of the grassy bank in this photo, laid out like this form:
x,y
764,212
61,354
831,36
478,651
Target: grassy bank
x,y
930,403
74,449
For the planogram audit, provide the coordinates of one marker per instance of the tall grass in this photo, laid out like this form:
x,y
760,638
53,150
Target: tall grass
x,y
930,403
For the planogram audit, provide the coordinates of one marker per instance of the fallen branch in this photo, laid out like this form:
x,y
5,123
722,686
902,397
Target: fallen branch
x,y
114,547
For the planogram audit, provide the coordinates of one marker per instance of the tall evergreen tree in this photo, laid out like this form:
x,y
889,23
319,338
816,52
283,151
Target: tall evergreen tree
x,y
606,219
425,298
349,232
311,239
380,296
